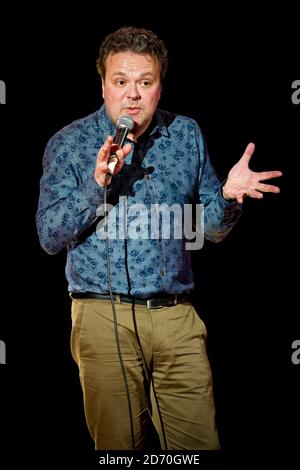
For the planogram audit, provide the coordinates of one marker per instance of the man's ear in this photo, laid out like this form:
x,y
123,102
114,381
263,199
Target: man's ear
x,y
102,82
160,91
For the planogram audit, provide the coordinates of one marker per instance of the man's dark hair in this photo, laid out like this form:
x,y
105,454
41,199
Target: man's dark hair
x,y
137,40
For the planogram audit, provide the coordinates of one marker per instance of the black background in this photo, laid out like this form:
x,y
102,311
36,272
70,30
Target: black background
x,y
231,71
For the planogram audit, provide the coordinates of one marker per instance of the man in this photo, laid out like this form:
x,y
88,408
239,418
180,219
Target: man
x,y
138,342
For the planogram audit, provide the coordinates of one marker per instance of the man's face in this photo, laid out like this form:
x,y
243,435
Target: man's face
x,y
131,86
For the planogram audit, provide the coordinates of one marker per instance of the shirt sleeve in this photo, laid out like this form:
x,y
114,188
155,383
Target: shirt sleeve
x,y
220,215
67,204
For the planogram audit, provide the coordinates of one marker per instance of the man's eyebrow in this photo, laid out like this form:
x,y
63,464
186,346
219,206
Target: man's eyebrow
x,y
143,74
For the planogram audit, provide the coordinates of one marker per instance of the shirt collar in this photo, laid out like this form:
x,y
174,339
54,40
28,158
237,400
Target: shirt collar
x,y
161,123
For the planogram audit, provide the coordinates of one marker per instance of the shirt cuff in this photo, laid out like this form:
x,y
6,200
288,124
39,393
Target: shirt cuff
x,y
226,201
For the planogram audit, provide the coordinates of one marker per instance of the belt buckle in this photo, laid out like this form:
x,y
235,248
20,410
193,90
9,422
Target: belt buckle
x,y
153,303
149,302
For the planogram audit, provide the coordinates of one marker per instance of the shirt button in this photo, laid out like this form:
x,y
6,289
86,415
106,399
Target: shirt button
x,y
162,273
148,177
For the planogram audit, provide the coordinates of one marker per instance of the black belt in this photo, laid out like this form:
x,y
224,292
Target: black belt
x,y
166,300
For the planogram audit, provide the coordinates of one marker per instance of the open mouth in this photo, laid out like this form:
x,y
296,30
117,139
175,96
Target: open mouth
x,y
132,111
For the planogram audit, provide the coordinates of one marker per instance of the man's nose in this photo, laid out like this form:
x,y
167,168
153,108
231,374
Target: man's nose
x,y
133,92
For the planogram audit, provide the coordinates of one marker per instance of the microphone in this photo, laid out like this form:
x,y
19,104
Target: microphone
x,y
124,125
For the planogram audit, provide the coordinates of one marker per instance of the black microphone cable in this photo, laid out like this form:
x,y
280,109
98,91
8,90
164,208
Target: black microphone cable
x,y
115,319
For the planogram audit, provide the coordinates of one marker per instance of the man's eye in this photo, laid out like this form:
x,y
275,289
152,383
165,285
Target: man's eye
x,y
120,82
145,83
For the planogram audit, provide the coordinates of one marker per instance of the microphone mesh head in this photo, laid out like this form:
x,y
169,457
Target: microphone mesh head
x,y
126,121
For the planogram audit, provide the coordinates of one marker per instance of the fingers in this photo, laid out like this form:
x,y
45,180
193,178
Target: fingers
x,y
127,149
109,147
267,175
104,151
123,152
256,193
242,193
240,197
248,152
268,188
104,154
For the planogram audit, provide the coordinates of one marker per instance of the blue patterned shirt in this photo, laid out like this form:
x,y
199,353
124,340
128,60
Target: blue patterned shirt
x,y
168,165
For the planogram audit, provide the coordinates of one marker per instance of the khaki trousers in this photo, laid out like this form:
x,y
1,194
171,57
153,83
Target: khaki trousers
x,y
167,371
